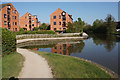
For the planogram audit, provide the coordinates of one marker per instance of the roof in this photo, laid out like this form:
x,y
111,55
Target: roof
x,y
3,5
62,11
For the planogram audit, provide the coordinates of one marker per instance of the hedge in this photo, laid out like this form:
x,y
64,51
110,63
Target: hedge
x,y
34,32
8,42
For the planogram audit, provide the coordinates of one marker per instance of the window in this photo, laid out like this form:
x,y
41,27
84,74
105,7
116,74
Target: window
x,y
15,11
12,11
55,47
5,16
60,47
59,22
32,20
54,17
59,16
32,24
54,29
60,53
5,22
25,20
15,23
55,52
8,11
26,25
15,29
60,28
15,17
25,17
54,23
64,24
64,18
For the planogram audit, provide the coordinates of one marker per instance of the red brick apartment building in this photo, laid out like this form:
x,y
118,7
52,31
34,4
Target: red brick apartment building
x,y
29,21
59,20
9,17
61,49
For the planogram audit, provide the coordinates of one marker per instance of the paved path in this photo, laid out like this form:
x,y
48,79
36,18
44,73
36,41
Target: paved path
x,y
35,66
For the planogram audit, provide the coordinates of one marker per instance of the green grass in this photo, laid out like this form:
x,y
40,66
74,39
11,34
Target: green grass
x,y
71,67
12,65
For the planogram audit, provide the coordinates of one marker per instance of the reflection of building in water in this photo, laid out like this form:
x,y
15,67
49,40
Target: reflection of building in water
x,y
61,49
35,49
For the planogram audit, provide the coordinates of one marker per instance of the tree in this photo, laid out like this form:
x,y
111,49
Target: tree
x,y
110,24
43,26
76,26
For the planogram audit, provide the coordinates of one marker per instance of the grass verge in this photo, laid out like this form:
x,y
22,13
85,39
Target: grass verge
x,y
12,65
71,67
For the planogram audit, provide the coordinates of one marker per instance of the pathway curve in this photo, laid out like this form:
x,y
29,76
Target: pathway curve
x,y
35,66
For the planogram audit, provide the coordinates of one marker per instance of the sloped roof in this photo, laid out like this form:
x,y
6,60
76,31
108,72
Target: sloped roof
x,y
3,5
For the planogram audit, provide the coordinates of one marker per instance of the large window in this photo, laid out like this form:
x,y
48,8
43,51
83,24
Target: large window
x,y
26,25
8,11
54,17
64,24
59,16
25,17
5,16
54,29
59,22
15,17
15,23
32,24
15,29
54,23
5,22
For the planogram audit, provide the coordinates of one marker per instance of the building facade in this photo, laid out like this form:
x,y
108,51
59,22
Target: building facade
x,y
29,21
59,20
9,17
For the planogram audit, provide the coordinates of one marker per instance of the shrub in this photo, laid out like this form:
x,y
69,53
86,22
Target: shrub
x,y
21,29
8,42
35,32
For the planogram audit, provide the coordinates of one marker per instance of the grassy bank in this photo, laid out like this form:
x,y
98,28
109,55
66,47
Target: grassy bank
x,y
70,67
12,65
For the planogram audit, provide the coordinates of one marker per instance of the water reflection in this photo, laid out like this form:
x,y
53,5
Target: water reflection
x,y
109,41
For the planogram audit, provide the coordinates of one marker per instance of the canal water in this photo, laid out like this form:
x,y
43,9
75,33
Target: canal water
x,y
99,49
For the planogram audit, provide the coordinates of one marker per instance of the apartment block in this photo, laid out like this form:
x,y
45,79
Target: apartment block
x,y
59,20
9,17
29,21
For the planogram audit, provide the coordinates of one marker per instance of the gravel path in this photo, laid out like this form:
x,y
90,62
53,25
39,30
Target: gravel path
x,y
35,66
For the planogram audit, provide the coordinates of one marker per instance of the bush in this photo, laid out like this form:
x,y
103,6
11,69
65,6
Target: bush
x,y
8,42
21,29
34,32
